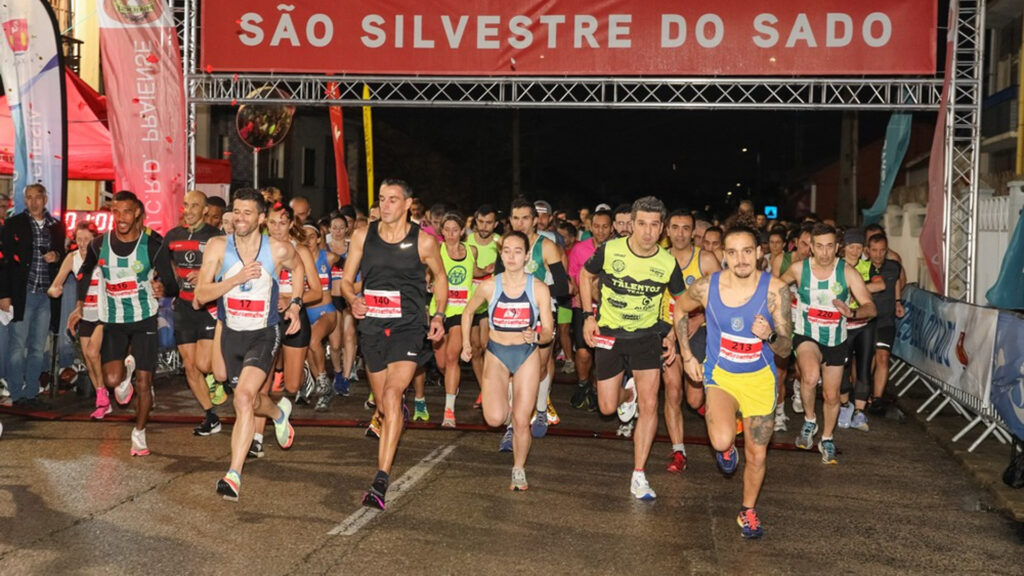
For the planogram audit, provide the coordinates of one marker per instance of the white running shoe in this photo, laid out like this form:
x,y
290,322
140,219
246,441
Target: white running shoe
x,y
627,410
798,402
124,391
139,447
641,488
780,418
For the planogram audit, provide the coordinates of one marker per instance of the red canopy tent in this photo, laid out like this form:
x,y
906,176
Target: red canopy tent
x,y
90,155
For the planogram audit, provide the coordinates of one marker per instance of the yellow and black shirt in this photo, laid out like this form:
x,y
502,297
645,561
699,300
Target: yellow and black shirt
x,y
633,287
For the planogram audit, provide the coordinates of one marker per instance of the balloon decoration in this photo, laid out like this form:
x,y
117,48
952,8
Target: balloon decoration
x,y
262,126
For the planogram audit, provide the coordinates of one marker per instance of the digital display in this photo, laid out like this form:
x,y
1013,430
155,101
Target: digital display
x,y
771,212
104,221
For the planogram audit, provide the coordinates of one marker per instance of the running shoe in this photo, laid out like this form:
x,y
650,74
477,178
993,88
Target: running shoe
x,y
627,410
592,400
750,524
370,404
828,451
677,464
283,428
626,430
255,449
229,485
323,402
356,367
519,483
728,461
805,441
218,394
124,391
860,421
569,367
845,415
373,430
449,419
374,498
798,401
420,413
139,447
539,424
308,388
278,385
210,425
579,396
553,418
506,441
640,487
103,406
341,385
780,418
479,401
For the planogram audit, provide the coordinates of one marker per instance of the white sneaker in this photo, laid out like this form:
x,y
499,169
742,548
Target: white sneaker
x,y
569,367
641,488
124,391
4,392
626,430
780,418
139,447
798,402
627,410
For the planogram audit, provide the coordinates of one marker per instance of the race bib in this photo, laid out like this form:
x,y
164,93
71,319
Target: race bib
x,y
241,308
122,289
604,342
511,316
740,349
458,297
824,316
383,303
336,274
325,281
285,282
91,297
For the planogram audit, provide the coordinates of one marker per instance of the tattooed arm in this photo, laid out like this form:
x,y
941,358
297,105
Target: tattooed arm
x,y
696,296
780,309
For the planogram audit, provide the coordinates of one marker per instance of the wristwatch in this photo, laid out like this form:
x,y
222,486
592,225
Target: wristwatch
x,y
587,314
439,314
295,301
772,338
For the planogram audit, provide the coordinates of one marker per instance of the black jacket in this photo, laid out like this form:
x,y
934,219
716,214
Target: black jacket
x,y
17,255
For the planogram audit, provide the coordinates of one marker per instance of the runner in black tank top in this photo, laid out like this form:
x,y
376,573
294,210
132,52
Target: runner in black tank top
x,y
393,256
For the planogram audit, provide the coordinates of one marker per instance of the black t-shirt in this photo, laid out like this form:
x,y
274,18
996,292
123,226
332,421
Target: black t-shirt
x,y
885,300
186,247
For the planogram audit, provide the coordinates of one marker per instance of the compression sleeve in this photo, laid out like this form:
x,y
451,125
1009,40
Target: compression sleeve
x,y
89,264
560,279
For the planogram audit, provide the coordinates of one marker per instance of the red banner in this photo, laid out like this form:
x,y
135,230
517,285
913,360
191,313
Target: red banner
x,y
576,37
338,138
142,73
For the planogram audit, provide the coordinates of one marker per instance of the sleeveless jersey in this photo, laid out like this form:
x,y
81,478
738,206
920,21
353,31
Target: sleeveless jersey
x,y
125,287
787,261
731,345
863,268
512,314
633,287
323,271
536,262
394,284
90,307
816,317
691,273
253,304
460,282
486,254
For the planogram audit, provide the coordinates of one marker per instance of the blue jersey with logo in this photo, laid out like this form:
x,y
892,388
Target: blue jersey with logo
x,y
730,343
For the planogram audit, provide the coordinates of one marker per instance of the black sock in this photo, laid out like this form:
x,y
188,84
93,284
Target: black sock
x,y
210,413
381,480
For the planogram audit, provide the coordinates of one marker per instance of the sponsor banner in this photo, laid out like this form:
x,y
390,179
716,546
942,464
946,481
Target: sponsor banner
x,y
578,37
949,340
931,233
1008,372
142,73
338,139
897,139
32,69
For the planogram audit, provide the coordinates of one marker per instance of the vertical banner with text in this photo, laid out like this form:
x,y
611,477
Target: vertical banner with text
x,y
32,69
142,73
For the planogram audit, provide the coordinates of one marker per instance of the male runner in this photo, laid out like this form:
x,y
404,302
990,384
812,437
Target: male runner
x,y
634,272
482,238
127,258
622,220
745,310
712,242
393,256
601,229
779,265
824,285
694,264
241,271
548,263
194,324
890,307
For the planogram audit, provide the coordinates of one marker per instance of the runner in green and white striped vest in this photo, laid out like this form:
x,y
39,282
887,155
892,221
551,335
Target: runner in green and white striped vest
x,y
126,292
817,317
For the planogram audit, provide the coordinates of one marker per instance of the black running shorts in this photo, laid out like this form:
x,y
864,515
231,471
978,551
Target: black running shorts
x,y
380,350
136,338
191,325
86,328
256,348
885,336
301,338
830,355
640,352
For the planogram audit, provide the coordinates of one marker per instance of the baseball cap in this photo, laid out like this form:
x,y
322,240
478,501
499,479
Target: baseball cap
x,y
853,236
542,207
603,206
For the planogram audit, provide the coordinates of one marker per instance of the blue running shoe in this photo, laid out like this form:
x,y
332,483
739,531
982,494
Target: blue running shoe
x,y
728,461
845,415
805,441
506,441
539,426
341,384
750,524
828,451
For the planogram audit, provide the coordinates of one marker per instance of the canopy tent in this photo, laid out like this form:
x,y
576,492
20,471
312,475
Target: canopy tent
x,y
90,155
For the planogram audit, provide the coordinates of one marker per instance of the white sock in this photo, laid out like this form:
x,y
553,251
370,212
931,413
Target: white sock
x,y
449,401
679,448
542,393
258,437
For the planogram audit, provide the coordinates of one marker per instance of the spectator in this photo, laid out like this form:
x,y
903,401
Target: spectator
x,y
300,207
33,248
